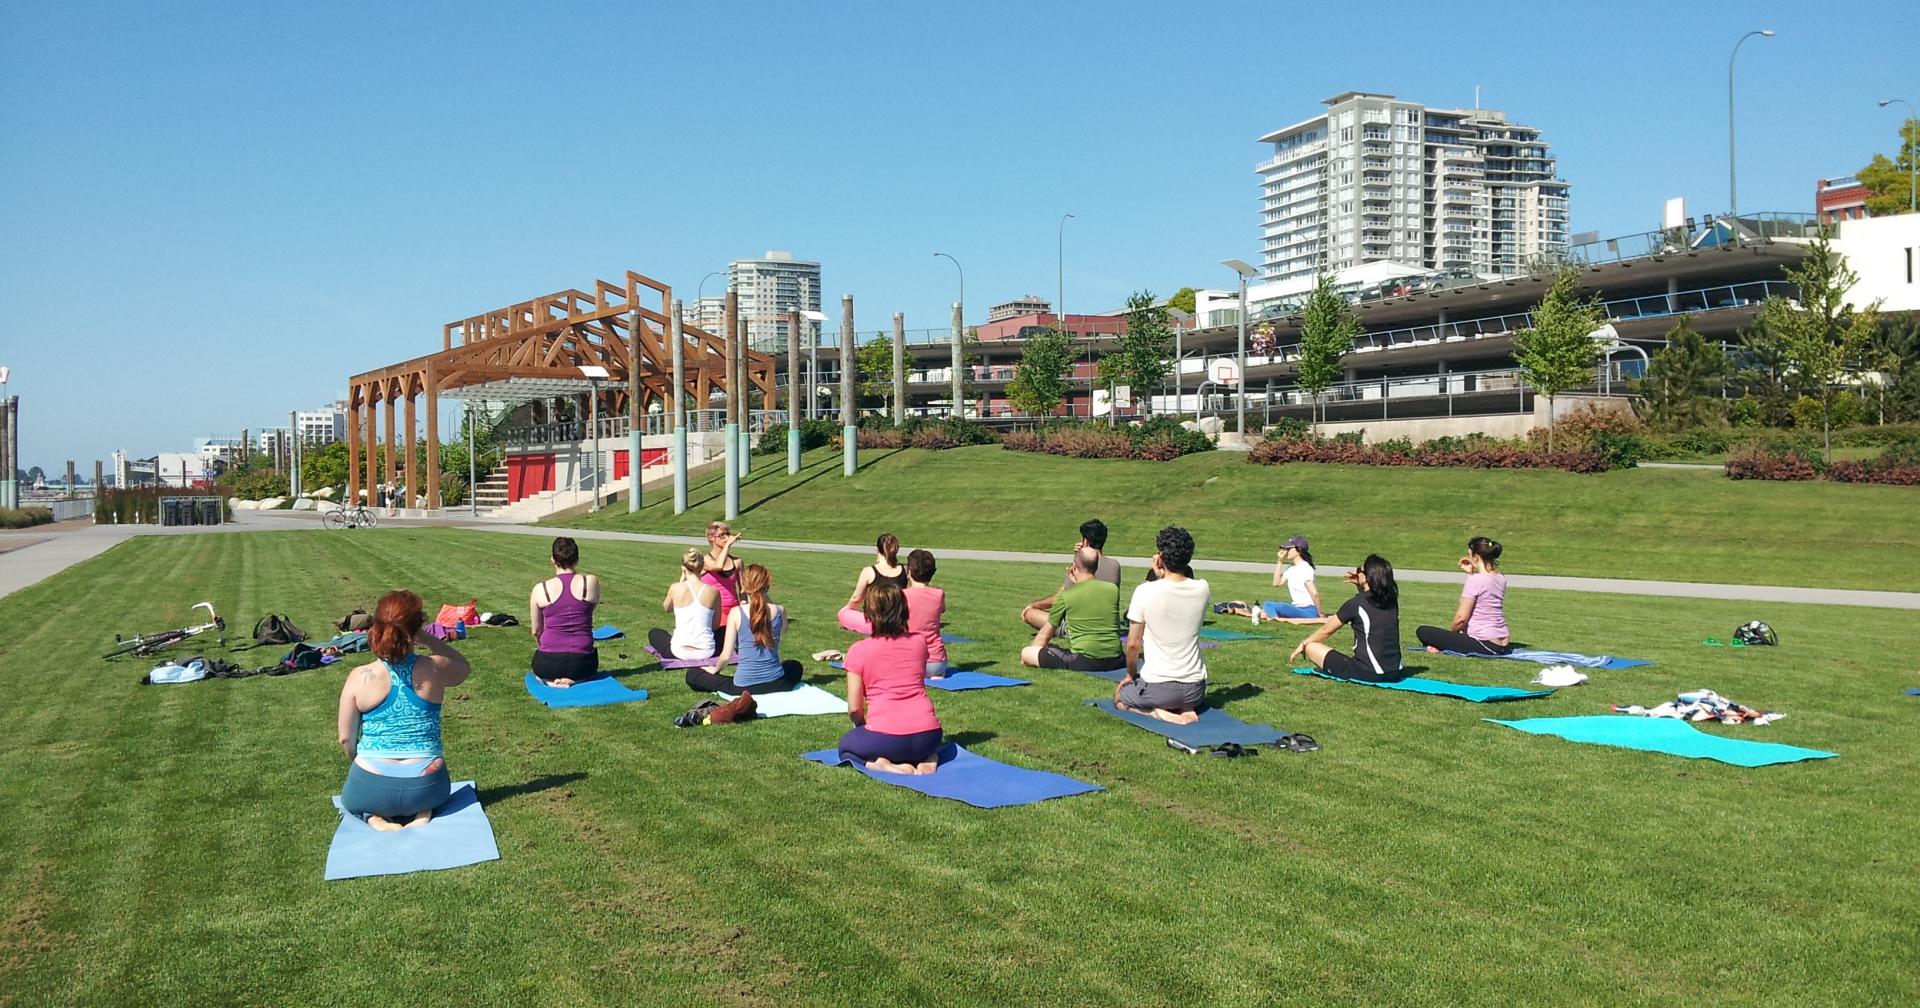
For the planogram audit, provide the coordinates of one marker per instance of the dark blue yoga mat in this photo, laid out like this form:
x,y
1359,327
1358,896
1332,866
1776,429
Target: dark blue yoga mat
x,y
1663,735
593,693
960,679
459,834
976,780
1214,727
1438,687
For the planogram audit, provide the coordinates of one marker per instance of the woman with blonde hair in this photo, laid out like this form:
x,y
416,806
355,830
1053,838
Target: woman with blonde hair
x,y
693,603
721,569
389,719
753,632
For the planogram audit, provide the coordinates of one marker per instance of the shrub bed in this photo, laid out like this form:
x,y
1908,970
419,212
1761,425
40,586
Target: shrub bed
x,y
918,432
1158,440
1472,452
1898,465
18,518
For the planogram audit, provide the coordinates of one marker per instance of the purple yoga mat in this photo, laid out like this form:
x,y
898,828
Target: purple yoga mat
x,y
677,663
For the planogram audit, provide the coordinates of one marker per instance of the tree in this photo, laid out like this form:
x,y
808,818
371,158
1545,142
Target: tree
x,y
1143,355
36,475
1764,375
1820,332
1894,351
1558,352
1684,381
326,465
873,363
970,359
1040,379
1327,328
1890,182
1183,300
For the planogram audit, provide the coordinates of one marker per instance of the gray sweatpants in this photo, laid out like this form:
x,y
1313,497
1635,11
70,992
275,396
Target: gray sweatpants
x,y
1171,696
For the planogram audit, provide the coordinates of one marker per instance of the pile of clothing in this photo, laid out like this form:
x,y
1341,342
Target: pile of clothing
x,y
1704,705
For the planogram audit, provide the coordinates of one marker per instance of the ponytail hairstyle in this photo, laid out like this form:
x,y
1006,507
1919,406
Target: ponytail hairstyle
x,y
920,566
885,607
1305,555
1382,591
397,620
754,582
888,547
694,560
1486,549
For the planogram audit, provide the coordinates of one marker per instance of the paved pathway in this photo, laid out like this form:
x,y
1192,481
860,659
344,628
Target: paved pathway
x,y
32,564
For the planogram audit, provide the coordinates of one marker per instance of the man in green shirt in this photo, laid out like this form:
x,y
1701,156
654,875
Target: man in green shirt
x,y
1087,609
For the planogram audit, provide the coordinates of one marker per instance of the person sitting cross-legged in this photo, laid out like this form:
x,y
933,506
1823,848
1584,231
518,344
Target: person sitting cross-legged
x,y
894,726
1374,614
754,629
389,719
1085,612
1093,537
1166,677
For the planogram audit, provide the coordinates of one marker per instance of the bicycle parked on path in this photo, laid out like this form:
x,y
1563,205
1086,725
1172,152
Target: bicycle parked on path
x,y
346,517
146,644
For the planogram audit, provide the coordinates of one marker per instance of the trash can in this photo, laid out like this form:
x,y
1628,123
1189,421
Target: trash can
x,y
209,511
170,511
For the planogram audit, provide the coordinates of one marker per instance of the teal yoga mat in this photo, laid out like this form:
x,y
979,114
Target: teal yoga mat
x,y
1223,634
1437,687
1663,735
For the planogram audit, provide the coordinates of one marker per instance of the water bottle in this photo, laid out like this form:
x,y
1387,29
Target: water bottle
x,y
460,629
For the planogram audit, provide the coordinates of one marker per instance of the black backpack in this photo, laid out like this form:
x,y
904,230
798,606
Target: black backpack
x,y
277,629
354,621
301,658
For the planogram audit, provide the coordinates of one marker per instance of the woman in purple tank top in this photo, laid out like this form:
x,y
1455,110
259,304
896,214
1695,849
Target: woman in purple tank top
x,y
562,623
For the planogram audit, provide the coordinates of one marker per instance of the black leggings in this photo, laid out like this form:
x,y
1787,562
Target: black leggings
x,y
1349,667
702,681
551,665
1447,640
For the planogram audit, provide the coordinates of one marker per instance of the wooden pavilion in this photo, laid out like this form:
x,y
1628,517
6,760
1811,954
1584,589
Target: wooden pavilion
x,y
536,350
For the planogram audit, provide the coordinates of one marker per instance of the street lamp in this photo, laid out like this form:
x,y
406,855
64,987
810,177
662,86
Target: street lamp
x,y
1060,266
1913,162
1180,320
595,374
1733,197
813,361
1240,352
700,294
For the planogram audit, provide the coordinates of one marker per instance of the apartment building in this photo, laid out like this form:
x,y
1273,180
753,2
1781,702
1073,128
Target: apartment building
x,y
769,290
1377,179
324,425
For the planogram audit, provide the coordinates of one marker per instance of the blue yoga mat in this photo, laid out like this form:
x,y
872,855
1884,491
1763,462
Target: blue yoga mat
x,y
1214,727
1222,634
961,679
458,835
1112,676
976,780
1913,692
593,693
608,632
954,638
1607,662
1663,735
1436,687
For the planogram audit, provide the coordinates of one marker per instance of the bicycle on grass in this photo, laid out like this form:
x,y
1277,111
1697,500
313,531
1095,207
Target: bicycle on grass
x,y
355,516
146,644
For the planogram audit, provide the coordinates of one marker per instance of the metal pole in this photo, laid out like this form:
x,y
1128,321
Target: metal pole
x,y
1060,267
593,421
813,370
1733,195
677,337
636,414
744,435
849,434
1179,361
793,392
730,431
1240,357
473,465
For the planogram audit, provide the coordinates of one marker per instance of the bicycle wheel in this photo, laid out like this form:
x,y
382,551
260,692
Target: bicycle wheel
x,y
335,519
364,518
160,642
126,646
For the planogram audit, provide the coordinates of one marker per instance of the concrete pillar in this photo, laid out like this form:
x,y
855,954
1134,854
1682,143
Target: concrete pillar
x,y
676,338
293,450
97,474
793,392
71,476
9,487
730,432
899,368
849,450
959,393
745,434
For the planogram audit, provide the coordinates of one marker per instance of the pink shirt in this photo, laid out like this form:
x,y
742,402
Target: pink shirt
x,y
925,606
891,671
1489,618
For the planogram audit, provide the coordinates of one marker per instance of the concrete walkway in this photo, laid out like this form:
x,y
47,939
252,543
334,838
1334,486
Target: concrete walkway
x,y
53,554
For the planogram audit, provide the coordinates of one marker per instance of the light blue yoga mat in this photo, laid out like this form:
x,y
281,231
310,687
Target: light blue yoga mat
x,y
608,632
459,834
1607,662
954,638
976,780
1437,687
957,680
805,698
592,693
1214,727
1663,735
1223,634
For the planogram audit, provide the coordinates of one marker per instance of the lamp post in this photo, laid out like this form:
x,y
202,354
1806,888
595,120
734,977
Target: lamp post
x,y
700,294
1733,195
959,404
1913,162
594,374
1060,268
1180,320
1240,348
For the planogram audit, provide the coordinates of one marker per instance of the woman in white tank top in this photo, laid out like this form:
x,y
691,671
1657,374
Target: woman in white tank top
x,y
692,603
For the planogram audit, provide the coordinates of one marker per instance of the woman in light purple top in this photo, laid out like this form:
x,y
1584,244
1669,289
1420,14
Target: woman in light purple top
x,y
562,623
1480,622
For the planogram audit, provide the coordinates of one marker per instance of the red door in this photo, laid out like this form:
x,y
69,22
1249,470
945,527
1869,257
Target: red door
x,y
620,464
528,475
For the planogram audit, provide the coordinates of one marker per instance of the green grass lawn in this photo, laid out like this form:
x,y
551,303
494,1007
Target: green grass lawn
x,y
1664,524
164,844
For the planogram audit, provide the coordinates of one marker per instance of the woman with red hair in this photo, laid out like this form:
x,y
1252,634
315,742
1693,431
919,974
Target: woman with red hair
x,y
390,719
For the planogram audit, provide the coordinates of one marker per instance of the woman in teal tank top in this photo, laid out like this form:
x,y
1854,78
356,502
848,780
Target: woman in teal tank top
x,y
390,719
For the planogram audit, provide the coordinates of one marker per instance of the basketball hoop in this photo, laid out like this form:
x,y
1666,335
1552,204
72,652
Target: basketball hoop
x,y
1223,372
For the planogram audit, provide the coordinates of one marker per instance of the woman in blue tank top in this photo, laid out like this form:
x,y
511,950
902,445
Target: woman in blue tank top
x,y
390,719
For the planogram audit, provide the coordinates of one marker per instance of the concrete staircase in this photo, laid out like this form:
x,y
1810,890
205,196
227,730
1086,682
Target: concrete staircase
x,y
491,494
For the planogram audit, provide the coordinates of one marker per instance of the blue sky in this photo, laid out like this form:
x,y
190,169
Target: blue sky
x,y
215,213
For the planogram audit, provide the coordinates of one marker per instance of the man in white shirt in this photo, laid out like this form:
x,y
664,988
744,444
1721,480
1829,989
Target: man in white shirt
x,y
1166,677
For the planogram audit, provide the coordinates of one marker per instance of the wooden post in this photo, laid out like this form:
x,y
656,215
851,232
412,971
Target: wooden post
x,y
412,498
386,393
353,445
899,368
433,440
373,445
97,483
70,479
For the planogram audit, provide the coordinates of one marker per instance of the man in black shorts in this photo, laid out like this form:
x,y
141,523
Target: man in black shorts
x,y
1084,609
